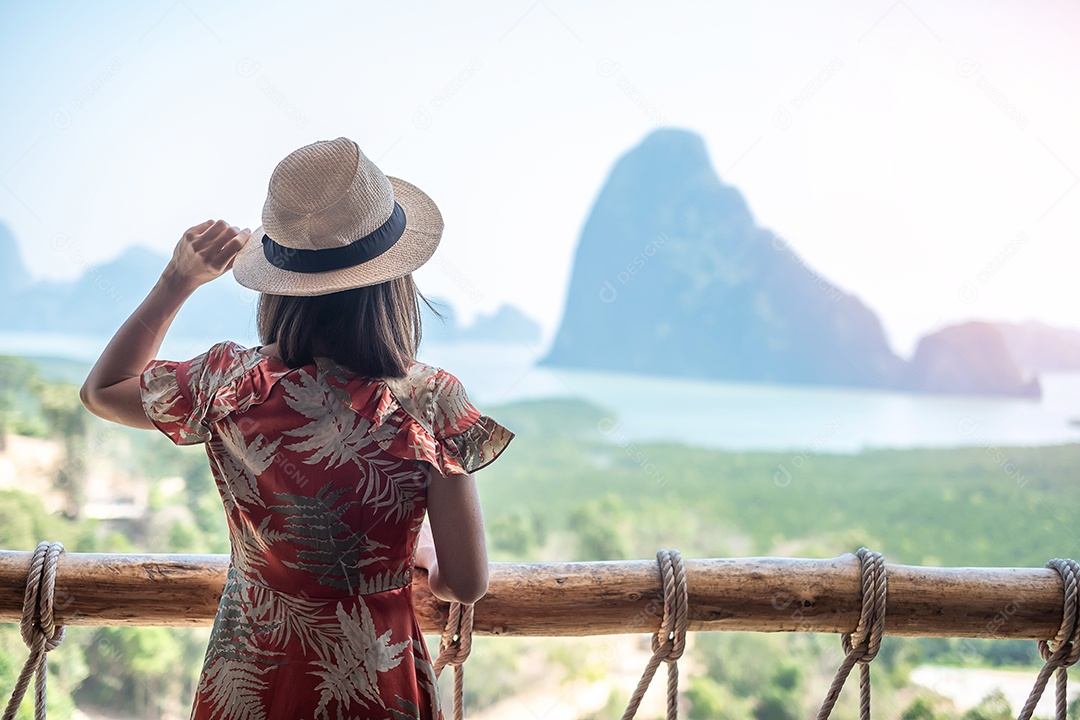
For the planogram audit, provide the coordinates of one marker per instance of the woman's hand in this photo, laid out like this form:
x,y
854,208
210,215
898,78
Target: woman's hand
x,y
204,253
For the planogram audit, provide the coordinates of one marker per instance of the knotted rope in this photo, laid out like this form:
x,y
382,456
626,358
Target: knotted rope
x,y
39,629
670,640
862,645
1066,644
454,648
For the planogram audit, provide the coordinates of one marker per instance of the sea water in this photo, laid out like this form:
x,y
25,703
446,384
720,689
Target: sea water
x,y
723,415
757,416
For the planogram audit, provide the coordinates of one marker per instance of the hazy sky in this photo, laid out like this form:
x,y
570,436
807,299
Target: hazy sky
x,y
923,155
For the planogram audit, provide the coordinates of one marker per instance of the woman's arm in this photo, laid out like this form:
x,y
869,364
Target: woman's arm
x,y
111,389
454,551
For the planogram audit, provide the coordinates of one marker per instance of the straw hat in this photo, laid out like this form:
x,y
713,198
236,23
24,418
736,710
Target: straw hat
x,y
332,221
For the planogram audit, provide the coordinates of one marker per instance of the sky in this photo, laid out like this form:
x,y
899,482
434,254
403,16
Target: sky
x,y
924,156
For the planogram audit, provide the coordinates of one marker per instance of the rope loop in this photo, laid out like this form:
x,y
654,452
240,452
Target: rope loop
x,y
861,646
1064,650
454,649
670,640
38,627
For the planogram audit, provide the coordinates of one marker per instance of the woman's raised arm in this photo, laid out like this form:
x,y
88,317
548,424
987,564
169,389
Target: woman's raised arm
x,y
111,389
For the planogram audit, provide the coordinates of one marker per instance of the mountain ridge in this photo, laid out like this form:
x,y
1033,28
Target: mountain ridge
x,y
101,297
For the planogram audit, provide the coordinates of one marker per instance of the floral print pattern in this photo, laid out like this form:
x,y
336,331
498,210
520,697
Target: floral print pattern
x,y
323,477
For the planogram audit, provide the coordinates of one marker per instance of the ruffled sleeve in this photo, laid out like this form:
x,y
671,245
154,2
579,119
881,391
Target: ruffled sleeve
x,y
427,416
182,399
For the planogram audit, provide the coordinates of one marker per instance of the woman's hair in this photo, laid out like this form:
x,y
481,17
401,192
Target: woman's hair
x,y
374,331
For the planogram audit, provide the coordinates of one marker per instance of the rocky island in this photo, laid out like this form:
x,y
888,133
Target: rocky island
x,y
673,276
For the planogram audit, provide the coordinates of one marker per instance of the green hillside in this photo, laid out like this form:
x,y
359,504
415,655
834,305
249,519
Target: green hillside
x,y
571,487
967,506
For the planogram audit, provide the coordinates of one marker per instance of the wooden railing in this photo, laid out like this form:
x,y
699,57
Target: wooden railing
x,y
594,598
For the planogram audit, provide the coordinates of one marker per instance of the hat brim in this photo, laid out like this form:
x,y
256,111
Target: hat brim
x,y
423,230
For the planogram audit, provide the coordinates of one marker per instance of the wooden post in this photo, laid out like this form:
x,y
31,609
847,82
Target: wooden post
x,y
594,598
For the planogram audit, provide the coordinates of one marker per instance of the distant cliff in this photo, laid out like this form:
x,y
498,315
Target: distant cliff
x,y
102,297
673,276
13,274
972,358
506,325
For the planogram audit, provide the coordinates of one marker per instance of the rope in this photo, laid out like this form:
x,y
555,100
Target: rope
x,y
454,648
39,629
1066,644
862,645
670,640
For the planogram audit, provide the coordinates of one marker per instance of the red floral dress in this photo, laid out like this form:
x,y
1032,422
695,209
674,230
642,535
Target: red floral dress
x,y
323,477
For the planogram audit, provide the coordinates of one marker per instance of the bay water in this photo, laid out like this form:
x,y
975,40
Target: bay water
x,y
722,415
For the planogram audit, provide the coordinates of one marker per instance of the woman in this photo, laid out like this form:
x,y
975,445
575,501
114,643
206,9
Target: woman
x,y
327,444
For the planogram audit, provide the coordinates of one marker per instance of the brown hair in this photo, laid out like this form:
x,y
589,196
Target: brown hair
x,y
374,331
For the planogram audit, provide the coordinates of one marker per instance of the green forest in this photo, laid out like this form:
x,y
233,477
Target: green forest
x,y
571,487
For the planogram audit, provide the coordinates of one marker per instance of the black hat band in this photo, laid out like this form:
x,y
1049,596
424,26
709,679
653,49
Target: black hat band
x,y
357,252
